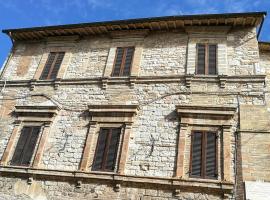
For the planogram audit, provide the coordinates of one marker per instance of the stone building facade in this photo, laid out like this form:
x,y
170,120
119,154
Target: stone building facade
x,y
180,105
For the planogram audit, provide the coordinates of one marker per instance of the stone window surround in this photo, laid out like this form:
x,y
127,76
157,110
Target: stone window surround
x,y
109,116
209,35
125,39
208,118
30,116
54,47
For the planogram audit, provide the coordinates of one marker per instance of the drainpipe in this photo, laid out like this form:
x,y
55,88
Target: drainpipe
x,y
260,28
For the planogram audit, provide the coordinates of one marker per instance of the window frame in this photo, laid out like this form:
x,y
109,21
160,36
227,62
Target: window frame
x,y
203,155
206,58
123,61
52,65
105,152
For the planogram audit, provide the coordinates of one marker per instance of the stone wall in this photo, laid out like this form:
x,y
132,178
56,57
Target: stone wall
x,y
153,142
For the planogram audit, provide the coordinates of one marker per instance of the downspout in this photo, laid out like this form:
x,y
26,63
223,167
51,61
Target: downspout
x,y
260,28
9,56
236,149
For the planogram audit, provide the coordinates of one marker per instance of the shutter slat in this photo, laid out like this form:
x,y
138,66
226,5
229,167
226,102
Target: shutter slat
x,y
212,59
112,151
211,155
200,59
48,65
196,154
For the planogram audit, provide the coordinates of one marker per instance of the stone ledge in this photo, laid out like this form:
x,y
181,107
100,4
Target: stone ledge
x,y
222,186
139,80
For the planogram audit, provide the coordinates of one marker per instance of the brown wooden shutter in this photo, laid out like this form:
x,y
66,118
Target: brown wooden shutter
x,y
17,156
128,61
196,154
123,61
25,146
201,59
52,65
112,149
212,59
106,150
100,149
57,65
48,66
210,157
118,61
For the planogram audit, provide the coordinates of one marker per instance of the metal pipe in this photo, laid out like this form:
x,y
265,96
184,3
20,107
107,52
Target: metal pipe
x,y
260,28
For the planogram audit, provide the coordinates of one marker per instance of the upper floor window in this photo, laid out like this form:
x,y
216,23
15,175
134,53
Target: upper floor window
x,y
106,150
52,65
203,163
123,61
206,59
26,145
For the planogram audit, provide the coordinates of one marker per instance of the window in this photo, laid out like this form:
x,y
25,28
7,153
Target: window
x,y
123,61
25,146
52,65
106,150
203,162
206,59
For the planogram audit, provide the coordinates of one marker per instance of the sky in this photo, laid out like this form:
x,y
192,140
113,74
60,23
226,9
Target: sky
x,y
29,13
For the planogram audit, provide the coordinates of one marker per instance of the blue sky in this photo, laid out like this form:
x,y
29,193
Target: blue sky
x,y
29,13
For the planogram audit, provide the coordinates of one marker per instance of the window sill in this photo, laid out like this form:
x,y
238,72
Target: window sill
x,y
222,186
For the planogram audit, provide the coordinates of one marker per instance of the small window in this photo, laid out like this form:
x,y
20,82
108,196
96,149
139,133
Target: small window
x,y
206,59
106,150
25,146
123,61
52,65
203,162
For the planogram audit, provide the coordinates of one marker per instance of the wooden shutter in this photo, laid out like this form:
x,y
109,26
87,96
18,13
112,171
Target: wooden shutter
x,y
57,65
210,157
52,65
17,156
196,154
212,58
48,66
25,146
128,61
112,149
106,150
201,59
100,149
118,61
123,61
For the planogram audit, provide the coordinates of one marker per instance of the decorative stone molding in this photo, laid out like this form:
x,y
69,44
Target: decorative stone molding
x,y
188,79
224,187
109,115
57,82
222,81
113,113
104,82
132,80
117,187
207,117
32,84
36,113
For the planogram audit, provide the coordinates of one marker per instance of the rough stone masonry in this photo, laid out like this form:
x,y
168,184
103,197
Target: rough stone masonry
x,y
158,106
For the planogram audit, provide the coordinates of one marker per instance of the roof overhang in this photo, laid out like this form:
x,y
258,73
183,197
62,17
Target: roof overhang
x,y
155,23
264,46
